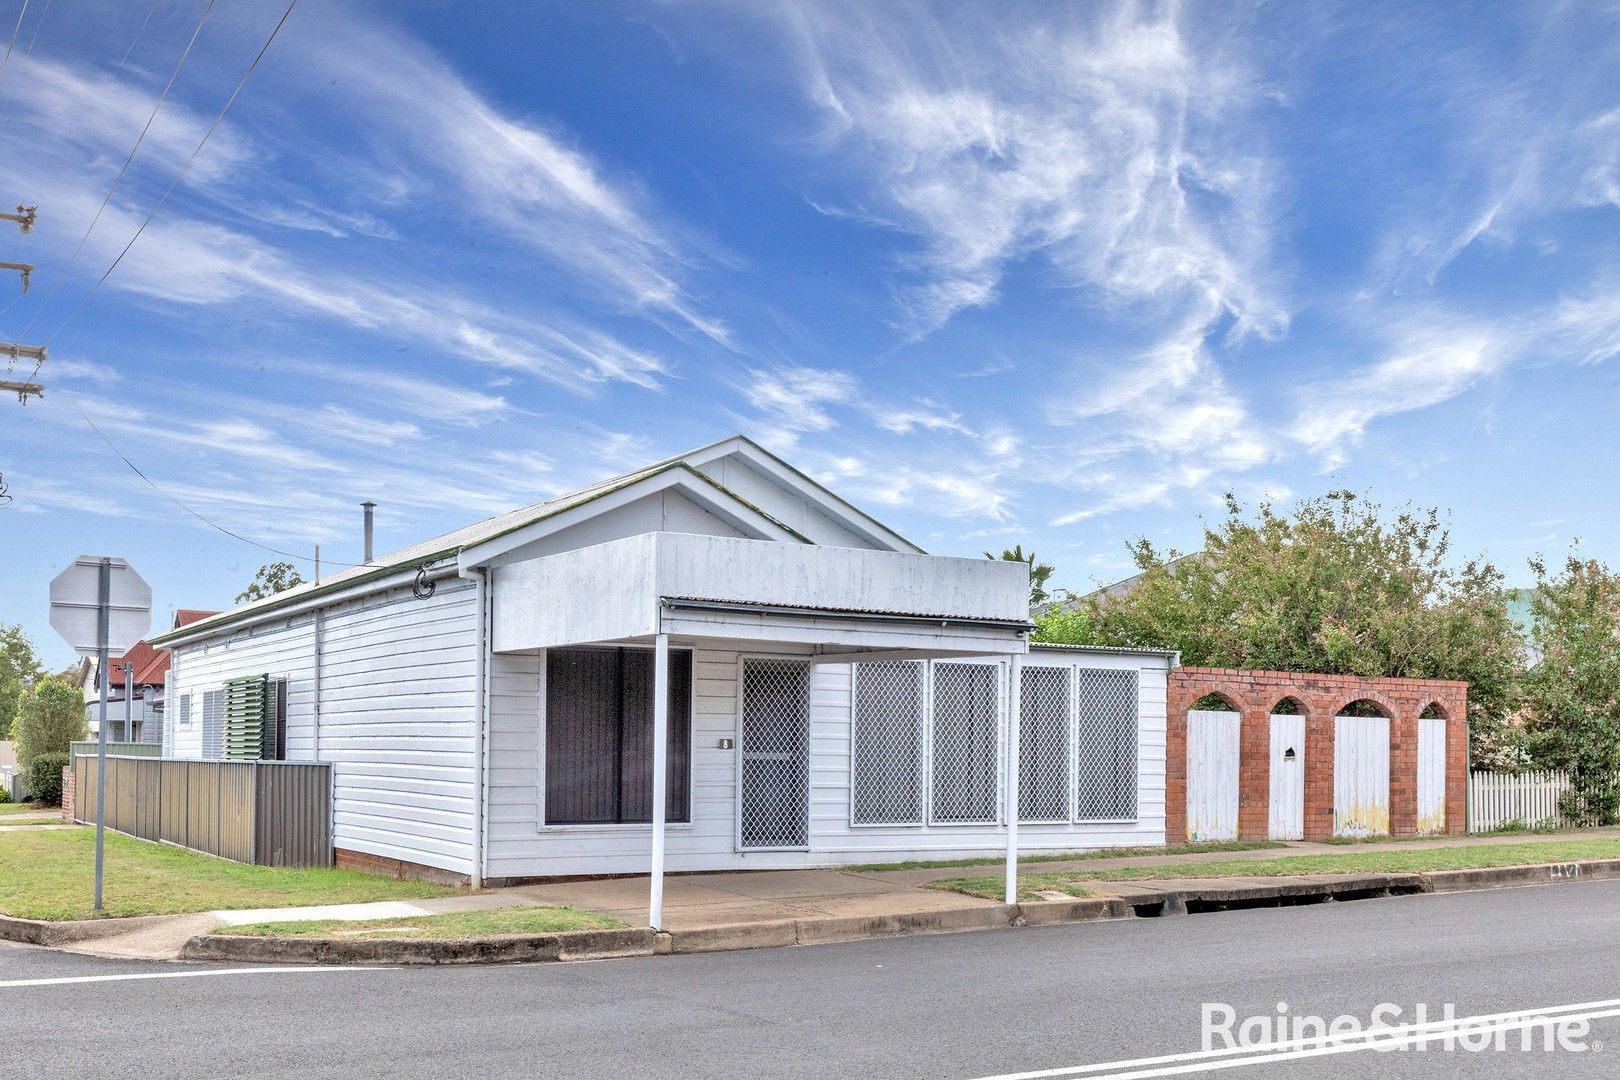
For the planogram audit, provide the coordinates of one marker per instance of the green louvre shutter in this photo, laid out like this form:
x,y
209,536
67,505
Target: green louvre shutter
x,y
247,714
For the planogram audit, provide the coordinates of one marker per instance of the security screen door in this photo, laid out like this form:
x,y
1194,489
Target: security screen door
x,y
773,790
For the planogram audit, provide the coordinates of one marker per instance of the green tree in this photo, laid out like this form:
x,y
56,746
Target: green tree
x,y
1065,625
1039,572
272,578
51,717
19,670
1572,695
1334,586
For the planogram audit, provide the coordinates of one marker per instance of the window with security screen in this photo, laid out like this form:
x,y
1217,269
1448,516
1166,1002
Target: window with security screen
x,y
965,738
887,784
599,736
1106,737
1043,745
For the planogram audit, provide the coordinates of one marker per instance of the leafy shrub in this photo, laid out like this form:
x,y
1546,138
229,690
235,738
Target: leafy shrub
x,y
45,778
51,717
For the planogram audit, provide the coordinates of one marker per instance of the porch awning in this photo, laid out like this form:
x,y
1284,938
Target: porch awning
x,y
836,600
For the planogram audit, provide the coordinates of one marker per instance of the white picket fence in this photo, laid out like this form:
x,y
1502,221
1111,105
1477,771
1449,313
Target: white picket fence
x,y
1529,798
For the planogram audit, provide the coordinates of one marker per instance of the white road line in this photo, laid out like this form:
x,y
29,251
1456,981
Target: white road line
x,y
1318,1046
183,974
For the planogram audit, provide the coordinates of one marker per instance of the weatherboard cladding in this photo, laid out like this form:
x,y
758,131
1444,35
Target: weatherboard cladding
x,y
398,708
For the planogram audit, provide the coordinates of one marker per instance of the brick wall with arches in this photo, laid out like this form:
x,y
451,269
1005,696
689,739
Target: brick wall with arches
x,y
1256,695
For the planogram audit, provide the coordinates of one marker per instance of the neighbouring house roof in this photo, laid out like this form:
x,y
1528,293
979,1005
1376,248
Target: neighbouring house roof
x,y
683,468
151,664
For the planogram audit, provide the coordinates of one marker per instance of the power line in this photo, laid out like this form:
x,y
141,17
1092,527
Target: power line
x,y
149,13
43,15
13,43
124,168
206,521
220,116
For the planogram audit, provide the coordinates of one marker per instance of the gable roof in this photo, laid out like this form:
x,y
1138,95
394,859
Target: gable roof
x,y
518,526
148,664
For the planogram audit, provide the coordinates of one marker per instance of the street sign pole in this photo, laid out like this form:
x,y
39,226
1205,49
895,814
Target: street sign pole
x,y
103,617
129,701
101,605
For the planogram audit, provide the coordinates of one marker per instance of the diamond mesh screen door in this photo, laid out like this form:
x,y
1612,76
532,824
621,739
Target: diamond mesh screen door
x,y
774,790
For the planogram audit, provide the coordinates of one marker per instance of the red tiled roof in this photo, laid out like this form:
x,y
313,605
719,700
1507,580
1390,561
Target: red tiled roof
x,y
150,665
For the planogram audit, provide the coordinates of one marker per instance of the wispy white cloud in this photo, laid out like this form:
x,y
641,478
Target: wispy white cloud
x,y
794,400
1429,362
1103,141
526,177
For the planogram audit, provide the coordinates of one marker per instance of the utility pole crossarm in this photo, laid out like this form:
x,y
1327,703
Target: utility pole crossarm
x,y
22,268
24,352
23,390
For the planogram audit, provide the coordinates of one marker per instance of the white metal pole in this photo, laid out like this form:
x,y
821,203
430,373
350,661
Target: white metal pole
x,y
655,915
103,618
129,701
1015,696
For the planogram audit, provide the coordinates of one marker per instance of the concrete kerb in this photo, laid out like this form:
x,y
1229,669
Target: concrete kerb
x,y
523,949
66,932
1138,898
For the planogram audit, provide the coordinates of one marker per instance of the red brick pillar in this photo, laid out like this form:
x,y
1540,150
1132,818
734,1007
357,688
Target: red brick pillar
x,y
1254,774
1319,732
1457,764
1175,769
1403,765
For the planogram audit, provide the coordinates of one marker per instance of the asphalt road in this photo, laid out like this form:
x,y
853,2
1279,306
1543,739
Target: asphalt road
x,y
967,1005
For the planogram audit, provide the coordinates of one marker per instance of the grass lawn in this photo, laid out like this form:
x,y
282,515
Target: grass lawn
x,y
1403,861
1070,856
452,926
49,875
26,808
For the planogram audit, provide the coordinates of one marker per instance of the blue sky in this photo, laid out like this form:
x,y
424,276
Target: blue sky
x,y
1051,274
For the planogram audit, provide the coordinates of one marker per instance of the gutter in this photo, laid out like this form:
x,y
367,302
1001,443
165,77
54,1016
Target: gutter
x,y
676,603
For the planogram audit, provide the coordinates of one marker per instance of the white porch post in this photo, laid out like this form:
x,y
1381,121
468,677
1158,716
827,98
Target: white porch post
x,y
1015,701
655,916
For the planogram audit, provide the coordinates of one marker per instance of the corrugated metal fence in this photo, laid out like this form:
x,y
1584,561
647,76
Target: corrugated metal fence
x,y
1528,798
124,749
274,813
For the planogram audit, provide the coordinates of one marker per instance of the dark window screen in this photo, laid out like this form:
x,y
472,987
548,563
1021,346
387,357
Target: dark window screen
x,y
599,706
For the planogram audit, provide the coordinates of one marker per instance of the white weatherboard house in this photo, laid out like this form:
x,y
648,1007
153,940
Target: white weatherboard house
x,y
716,636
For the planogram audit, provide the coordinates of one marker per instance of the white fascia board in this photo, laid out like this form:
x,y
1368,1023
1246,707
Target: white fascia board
x,y
693,485
203,630
856,520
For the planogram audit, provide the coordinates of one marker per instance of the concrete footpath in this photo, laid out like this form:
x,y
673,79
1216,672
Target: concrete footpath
x,y
706,912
